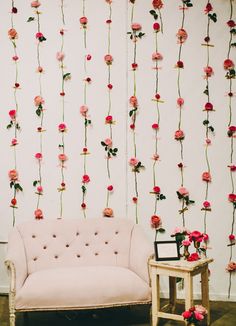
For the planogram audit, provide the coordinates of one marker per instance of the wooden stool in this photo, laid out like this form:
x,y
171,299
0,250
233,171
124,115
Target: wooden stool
x,y
182,269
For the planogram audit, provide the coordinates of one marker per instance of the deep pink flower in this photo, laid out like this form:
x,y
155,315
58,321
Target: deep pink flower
x,y
231,237
208,71
62,127
133,161
187,314
180,101
110,188
156,27
39,35
208,106
38,156
14,142
12,114
196,236
156,189
232,198
186,242
109,119
198,315
40,189
206,204
206,176
193,257
108,142
179,135
85,178
155,126
84,110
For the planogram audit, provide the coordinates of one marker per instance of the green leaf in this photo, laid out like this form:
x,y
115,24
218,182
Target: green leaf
x,y
206,92
211,129
131,113
17,186
205,122
179,195
30,19
9,126
115,150
233,31
102,143
161,230
66,75
11,184
38,112
83,189
152,12
35,183
233,44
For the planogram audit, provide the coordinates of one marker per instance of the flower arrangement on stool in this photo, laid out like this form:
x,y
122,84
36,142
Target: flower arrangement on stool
x,y
195,315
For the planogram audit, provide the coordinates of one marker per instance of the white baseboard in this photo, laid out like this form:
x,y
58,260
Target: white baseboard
x,y
197,296
4,289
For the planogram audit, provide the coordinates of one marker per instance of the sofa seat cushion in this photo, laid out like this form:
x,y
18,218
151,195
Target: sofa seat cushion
x,y
81,287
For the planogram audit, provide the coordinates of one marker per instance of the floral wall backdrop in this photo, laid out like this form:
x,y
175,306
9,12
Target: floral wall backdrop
x,y
89,60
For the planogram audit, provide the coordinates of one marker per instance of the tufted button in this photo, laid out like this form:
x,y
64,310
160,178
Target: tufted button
x,y
117,232
35,258
44,247
33,236
86,244
67,245
55,256
54,235
78,256
106,242
115,252
77,233
96,254
95,233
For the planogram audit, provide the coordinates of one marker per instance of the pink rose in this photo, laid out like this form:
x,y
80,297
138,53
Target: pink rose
x,y
133,161
39,35
109,1
208,71
38,100
14,142
180,101
231,267
198,315
136,27
232,198
206,204
83,20
206,176
228,64
187,314
108,59
155,221
157,56
38,214
60,56
108,142
183,191
133,101
179,135
12,114
62,127
157,4
62,157
12,33
40,189
202,310
205,236
85,178
38,156
83,110
195,236
182,35
13,175
108,212
35,4
186,243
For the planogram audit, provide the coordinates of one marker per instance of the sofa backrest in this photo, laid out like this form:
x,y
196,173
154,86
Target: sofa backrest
x,y
68,242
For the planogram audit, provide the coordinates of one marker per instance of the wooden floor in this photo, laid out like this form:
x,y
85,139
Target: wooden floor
x,y
222,314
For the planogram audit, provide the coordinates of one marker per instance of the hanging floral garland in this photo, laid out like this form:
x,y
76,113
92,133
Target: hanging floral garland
x,y
229,67
39,109
136,165
62,128
109,121
157,5
208,108
182,192
13,114
84,110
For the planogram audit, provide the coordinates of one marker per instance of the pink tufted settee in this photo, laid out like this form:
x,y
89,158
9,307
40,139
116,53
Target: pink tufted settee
x,y
70,264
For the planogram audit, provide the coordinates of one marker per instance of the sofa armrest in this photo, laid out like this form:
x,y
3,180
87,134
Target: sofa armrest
x,y
141,249
16,260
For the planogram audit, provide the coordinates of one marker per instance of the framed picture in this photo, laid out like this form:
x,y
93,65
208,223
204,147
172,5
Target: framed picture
x,y
166,250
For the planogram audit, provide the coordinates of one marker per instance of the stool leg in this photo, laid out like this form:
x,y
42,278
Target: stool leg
x,y
155,297
188,284
205,292
172,287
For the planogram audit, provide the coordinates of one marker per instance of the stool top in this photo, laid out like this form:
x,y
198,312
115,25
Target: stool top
x,y
180,264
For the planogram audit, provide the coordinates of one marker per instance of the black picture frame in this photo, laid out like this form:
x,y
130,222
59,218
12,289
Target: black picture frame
x,y
166,250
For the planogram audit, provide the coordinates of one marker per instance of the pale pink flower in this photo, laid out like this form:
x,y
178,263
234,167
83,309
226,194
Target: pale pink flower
x,y
13,175
136,27
183,191
179,135
198,315
40,189
108,142
83,20
62,157
38,100
157,56
133,101
231,267
38,214
133,161
60,56
35,4
108,59
202,310
12,33
182,35
186,243
83,110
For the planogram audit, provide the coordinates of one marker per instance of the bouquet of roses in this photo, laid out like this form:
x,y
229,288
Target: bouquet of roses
x,y
195,314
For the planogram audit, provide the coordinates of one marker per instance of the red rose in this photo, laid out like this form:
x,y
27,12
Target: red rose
x,y
156,27
157,4
134,66
158,96
110,188
232,167
110,86
85,178
228,64
206,176
135,199
13,201
108,119
187,314
193,257
83,20
208,106
232,198
231,23
206,204
88,57
179,64
83,205
156,189
231,237
155,126
155,221
208,8
132,126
